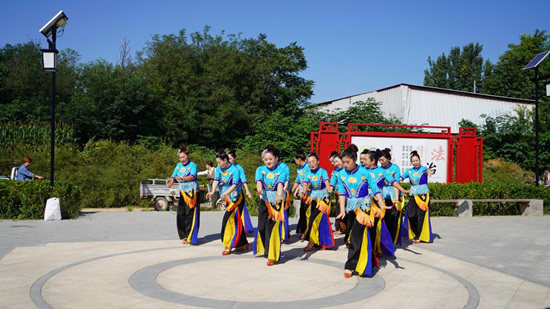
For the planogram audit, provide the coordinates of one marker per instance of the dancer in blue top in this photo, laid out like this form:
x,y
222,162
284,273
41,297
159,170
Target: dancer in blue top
x,y
381,237
316,191
302,169
418,210
339,225
228,177
270,179
188,215
285,232
354,190
393,197
245,216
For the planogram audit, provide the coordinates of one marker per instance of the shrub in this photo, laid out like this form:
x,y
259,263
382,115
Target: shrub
x,y
474,190
27,199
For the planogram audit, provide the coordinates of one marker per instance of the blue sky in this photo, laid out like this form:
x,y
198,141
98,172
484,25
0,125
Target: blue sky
x,y
351,46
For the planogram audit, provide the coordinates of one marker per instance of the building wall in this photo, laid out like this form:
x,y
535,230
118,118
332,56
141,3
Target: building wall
x,y
416,105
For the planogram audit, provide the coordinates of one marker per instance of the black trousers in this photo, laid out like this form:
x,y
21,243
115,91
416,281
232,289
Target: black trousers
x,y
392,219
242,241
416,217
350,215
184,216
265,227
302,221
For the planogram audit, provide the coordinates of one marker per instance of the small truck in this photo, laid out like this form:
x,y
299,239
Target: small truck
x,y
157,190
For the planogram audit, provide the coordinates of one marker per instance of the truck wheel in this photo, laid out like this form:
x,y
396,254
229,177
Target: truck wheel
x,y
161,203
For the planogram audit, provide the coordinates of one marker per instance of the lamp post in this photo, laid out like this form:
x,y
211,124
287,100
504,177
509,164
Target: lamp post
x,y
534,64
49,61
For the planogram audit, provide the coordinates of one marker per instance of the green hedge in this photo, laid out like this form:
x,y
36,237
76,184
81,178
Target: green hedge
x,y
487,191
27,199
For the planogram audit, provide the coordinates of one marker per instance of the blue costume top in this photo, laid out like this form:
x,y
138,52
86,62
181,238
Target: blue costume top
x,y
287,169
389,192
301,174
243,175
228,177
269,180
184,170
378,176
354,186
418,178
334,178
23,173
317,179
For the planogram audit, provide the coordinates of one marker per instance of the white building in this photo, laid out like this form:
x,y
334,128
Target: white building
x,y
421,105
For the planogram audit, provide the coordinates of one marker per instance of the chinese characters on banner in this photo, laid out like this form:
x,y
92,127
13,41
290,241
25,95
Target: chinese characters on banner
x,y
433,152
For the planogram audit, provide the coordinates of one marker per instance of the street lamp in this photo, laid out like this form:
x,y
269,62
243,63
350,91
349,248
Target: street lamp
x,y
49,61
534,64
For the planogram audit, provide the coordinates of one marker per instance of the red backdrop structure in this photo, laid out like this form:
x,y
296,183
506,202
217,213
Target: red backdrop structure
x,y
465,150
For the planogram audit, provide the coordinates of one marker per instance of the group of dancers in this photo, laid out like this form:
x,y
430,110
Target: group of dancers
x,y
369,205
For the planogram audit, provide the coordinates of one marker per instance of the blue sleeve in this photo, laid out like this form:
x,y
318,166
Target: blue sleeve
x,y
334,179
297,177
175,173
217,174
25,172
405,175
373,186
243,175
284,175
287,170
193,170
388,177
236,177
397,173
324,174
424,169
259,174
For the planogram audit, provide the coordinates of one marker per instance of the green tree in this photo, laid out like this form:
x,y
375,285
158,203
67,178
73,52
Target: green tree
x,y
112,102
214,89
459,70
25,89
509,79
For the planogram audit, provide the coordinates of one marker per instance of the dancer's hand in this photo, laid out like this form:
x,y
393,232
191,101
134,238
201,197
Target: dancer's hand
x,y
279,198
259,193
341,215
209,194
248,194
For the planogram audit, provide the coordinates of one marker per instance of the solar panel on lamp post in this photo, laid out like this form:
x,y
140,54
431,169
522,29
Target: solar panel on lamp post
x,y
50,65
534,64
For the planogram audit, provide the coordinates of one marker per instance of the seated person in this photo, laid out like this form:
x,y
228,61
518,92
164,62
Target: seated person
x,y
24,173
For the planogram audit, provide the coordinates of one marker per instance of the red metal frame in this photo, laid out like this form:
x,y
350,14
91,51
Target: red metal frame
x,y
468,160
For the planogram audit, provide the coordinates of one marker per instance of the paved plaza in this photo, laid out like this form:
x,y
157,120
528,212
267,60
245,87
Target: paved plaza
x,y
135,260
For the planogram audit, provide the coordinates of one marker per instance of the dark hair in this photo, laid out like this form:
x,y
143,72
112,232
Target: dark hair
x,y
183,149
333,154
414,153
27,159
386,153
222,155
350,152
375,155
232,152
300,155
313,154
210,163
271,149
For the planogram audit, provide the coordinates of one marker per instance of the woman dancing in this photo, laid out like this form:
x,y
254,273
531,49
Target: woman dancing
x,y
247,223
188,214
316,192
354,190
301,171
392,196
270,179
418,210
380,235
228,177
